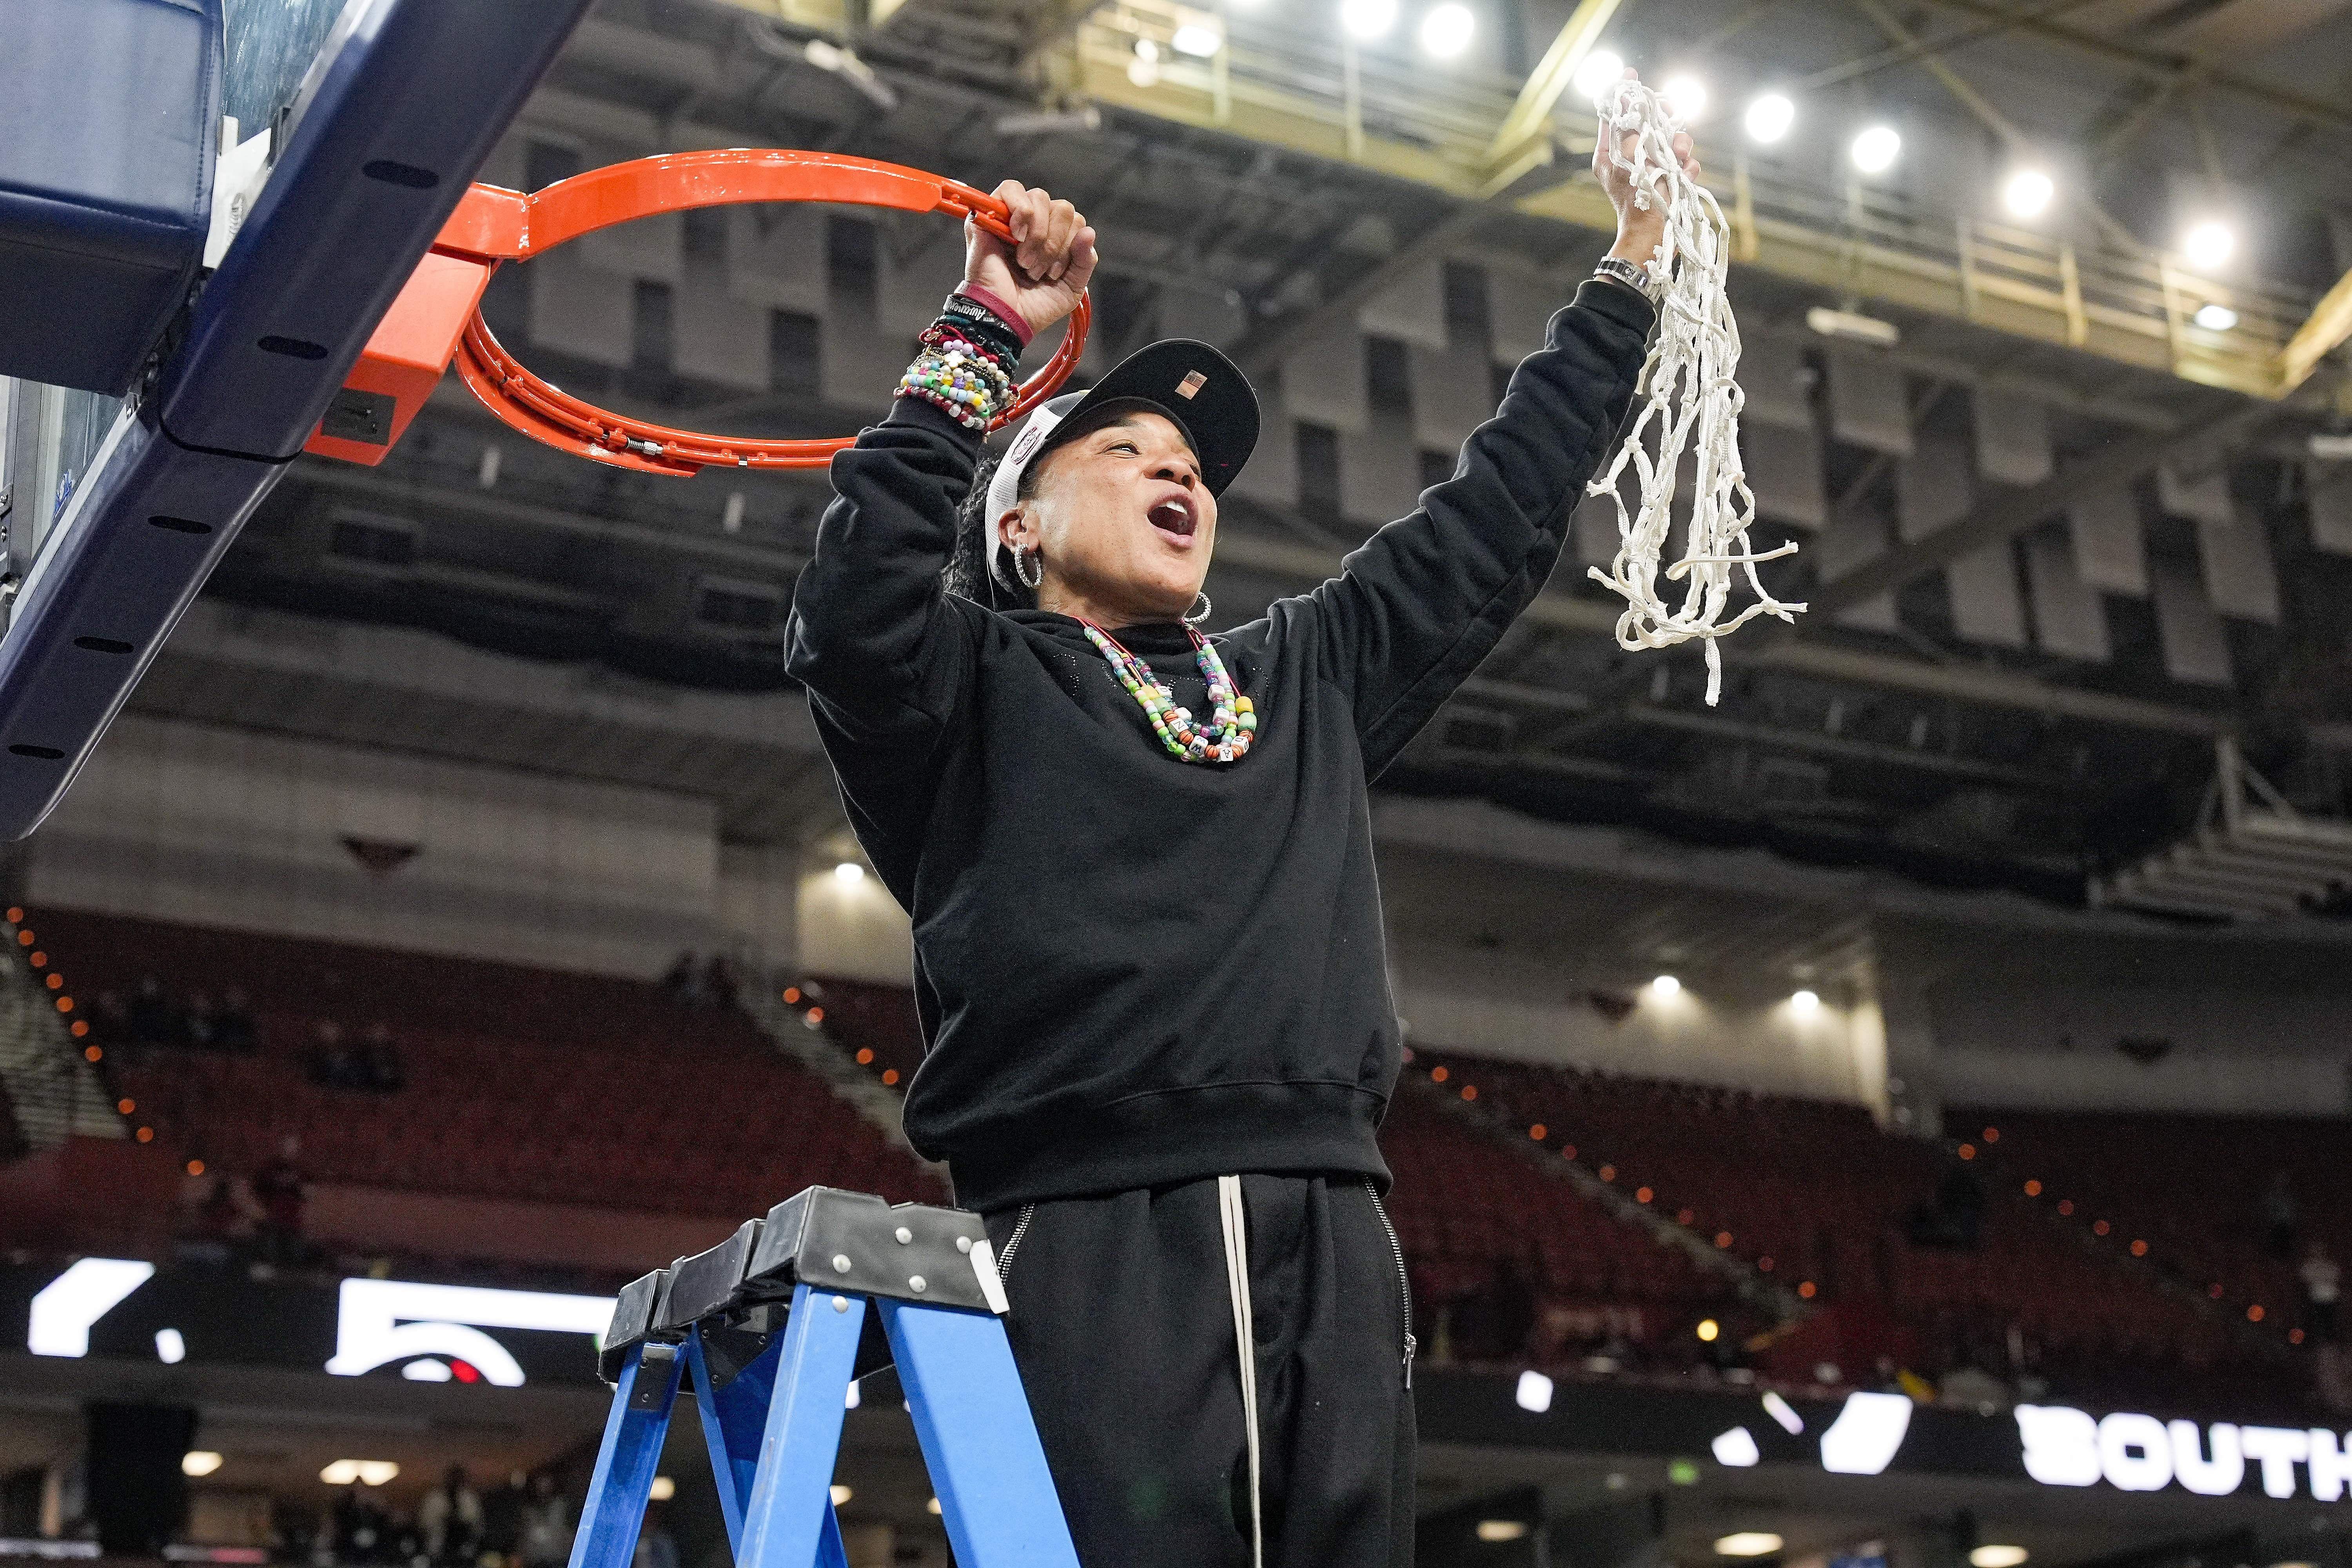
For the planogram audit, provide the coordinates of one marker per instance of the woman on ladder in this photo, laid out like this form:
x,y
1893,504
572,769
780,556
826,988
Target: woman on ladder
x,y
1148,954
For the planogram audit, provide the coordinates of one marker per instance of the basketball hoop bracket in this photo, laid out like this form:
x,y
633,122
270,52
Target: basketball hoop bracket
x,y
437,319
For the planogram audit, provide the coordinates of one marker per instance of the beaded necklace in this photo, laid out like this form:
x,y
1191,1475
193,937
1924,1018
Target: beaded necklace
x,y
1232,717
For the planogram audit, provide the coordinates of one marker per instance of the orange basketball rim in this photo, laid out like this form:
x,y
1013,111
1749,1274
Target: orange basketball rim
x,y
438,316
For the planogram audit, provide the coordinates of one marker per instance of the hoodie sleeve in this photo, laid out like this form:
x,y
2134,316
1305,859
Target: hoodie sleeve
x,y
1420,604
885,651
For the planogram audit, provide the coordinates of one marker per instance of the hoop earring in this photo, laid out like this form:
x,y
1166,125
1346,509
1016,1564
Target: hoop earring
x,y
1200,614
1033,560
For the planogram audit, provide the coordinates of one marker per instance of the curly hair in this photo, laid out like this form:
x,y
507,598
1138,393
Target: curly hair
x,y
967,572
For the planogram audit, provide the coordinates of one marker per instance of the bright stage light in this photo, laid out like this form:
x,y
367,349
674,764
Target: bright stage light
x,y
1708,1328
2027,194
1534,1392
1769,118
1367,19
1685,97
849,873
664,1489
841,1494
2207,245
1667,985
1599,70
1198,39
1874,151
1446,32
1805,1003
1996,1557
171,1346
2215,317
1747,1544
198,1463
1502,1529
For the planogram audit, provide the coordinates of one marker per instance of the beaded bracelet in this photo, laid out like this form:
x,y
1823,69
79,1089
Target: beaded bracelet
x,y
945,335
958,377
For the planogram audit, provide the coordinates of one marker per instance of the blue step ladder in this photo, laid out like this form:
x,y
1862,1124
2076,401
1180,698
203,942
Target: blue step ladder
x,y
768,1323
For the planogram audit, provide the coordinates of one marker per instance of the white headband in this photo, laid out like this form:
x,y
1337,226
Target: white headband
x,y
1005,486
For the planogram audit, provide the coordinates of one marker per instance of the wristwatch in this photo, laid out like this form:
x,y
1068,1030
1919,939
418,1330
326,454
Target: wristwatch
x,y
1635,278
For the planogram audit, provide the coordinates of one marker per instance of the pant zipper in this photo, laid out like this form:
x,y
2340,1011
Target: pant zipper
x,y
1405,1281
1013,1242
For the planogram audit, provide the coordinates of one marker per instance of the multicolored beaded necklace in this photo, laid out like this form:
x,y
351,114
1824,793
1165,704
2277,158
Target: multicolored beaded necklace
x,y
1232,717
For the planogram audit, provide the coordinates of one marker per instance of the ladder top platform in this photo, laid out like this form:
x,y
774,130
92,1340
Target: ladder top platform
x,y
825,1238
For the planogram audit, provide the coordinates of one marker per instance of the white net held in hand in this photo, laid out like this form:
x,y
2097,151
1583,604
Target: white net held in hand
x,y
1690,403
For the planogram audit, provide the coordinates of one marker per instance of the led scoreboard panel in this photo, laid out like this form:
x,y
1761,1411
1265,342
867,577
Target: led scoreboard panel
x,y
125,1308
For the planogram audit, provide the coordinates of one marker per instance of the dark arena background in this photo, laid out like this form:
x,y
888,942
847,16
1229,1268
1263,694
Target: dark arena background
x,y
1893,1118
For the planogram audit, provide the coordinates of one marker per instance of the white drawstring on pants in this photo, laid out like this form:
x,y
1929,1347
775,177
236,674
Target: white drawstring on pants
x,y
1237,1281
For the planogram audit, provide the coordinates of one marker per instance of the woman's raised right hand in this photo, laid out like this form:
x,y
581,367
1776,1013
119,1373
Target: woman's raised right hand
x,y
1045,270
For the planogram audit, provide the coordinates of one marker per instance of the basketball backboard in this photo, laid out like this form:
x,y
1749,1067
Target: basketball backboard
x,y
377,114
48,434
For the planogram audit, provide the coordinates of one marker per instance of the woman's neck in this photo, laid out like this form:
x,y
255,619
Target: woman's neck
x,y
1061,599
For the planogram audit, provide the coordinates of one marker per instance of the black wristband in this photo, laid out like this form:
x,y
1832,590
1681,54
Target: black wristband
x,y
981,325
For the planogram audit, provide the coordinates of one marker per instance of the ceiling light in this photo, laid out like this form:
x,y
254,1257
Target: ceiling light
x,y
849,873
2027,194
1502,1529
1874,151
366,1472
1534,1392
172,1346
1049,121
2207,245
197,1462
1805,1001
2215,317
1667,985
844,64
1368,18
1769,117
1685,97
1445,31
841,1494
1996,1557
664,1489
933,1506
1855,325
1708,1328
1747,1544
1600,71
1199,39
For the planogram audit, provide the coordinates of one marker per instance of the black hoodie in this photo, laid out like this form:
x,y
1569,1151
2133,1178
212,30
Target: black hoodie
x,y
1132,970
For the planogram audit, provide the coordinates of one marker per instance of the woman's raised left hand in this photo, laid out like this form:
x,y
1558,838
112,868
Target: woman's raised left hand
x,y
1639,229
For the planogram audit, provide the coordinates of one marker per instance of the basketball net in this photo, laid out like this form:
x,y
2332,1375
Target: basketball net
x,y
1690,404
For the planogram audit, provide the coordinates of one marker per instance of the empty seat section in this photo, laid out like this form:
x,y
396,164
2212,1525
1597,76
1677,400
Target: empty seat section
x,y
512,1083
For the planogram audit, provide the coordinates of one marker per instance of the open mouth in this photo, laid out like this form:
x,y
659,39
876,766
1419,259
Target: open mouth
x,y
1174,517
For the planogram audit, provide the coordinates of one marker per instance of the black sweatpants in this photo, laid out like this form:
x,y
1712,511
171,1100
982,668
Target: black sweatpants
x,y
1122,1324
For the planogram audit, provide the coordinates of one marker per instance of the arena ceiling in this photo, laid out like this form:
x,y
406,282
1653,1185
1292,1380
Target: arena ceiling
x,y
1862,736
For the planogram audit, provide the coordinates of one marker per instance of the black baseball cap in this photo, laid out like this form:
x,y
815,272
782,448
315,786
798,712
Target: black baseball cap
x,y
1203,390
